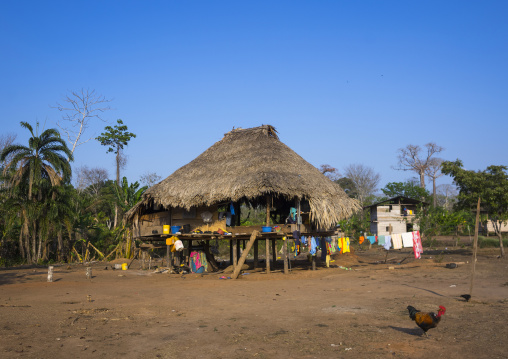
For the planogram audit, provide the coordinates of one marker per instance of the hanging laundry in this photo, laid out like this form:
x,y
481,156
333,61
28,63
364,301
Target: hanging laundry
x,y
381,240
388,242
323,248
313,246
372,239
232,208
417,244
407,240
361,239
303,240
346,243
397,241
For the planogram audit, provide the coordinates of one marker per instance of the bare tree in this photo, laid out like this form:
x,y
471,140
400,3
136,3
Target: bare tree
x,y
331,172
79,108
91,179
409,159
149,179
446,195
364,178
433,171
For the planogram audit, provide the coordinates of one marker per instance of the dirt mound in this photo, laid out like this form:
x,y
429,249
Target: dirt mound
x,y
119,261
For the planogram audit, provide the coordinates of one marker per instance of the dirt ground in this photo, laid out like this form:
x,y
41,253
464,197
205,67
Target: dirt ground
x,y
355,309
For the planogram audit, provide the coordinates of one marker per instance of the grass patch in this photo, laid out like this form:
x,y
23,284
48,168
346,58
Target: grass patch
x,y
490,242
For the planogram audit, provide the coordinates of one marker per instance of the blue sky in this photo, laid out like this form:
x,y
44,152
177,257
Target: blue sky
x,y
343,82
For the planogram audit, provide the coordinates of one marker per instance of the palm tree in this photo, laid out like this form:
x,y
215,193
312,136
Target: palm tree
x,y
33,170
42,159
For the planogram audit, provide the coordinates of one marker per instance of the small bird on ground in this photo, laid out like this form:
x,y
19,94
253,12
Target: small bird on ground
x,y
424,320
466,297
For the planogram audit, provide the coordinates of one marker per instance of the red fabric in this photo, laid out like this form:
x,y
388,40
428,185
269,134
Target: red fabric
x,y
417,244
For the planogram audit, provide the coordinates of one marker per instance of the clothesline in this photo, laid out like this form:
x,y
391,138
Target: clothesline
x,y
398,241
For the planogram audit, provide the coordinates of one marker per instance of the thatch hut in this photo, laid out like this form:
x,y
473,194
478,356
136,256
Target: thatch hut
x,y
248,166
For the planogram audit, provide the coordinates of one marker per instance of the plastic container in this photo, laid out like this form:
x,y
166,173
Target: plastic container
x,y
175,229
124,266
266,229
165,229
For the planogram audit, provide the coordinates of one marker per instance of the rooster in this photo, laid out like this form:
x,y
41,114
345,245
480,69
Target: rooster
x,y
426,321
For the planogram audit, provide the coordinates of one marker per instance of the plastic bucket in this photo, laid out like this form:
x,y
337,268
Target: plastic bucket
x,y
124,266
175,229
165,229
266,229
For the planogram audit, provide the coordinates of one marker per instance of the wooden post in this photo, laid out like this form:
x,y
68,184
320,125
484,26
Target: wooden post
x,y
235,254
267,210
267,261
267,241
475,246
188,252
50,273
244,254
167,255
89,273
313,262
274,252
230,252
256,253
285,255
298,215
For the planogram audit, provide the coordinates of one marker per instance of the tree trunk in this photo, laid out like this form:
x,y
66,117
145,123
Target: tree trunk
x,y
116,216
501,244
60,245
39,246
497,227
21,245
117,184
34,244
26,235
434,195
422,179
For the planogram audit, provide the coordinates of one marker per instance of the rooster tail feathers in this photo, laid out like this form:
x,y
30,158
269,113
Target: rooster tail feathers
x,y
412,311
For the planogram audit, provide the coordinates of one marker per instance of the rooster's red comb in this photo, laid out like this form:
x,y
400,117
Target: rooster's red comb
x,y
442,308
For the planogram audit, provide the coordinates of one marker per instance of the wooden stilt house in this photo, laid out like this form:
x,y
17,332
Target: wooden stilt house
x,y
248,166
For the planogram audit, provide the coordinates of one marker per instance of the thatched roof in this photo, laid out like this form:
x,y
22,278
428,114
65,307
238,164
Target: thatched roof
x,y
249,164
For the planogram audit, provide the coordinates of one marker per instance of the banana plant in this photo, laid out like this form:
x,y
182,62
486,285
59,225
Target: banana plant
x,y
127,195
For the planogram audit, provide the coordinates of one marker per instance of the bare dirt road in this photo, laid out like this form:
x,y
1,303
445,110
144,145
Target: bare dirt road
x,y
357,311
